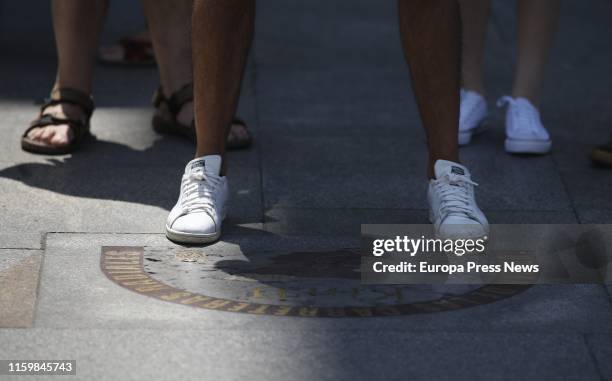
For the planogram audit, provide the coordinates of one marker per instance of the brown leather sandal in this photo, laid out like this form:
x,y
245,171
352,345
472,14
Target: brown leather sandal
x,y
168,124
80,129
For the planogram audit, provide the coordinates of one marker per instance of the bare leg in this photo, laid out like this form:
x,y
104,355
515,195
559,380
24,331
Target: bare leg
x,y
430,31
474,17
222,34
536,28
170,29
77,25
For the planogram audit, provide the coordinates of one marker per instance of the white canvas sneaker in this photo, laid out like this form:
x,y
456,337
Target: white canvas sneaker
x,y
473,115
525,133
453,209
200,209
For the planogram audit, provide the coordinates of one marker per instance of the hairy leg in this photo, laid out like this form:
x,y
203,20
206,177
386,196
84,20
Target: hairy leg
x,y
537,22
474,17
77,25
222,35
431,33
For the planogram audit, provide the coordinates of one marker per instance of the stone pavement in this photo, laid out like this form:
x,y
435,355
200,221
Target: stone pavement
x,y
337,143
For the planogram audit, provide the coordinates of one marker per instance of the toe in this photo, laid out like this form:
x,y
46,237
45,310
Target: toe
x,y
47,134
195,223
34,134
58,140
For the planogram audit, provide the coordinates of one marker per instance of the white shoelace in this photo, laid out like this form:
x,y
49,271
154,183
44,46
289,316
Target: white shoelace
x,y
527,117
198,192
455,198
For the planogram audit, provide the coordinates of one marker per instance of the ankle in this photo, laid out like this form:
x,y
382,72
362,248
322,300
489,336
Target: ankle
x,y
475,86
480,92
534,100
68,85
185,116
432,162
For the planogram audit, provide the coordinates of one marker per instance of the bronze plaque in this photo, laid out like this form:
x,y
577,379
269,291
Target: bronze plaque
x,y
302,284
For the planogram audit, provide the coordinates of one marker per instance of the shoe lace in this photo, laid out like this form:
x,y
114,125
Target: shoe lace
x,y
455,196
198,192
527,117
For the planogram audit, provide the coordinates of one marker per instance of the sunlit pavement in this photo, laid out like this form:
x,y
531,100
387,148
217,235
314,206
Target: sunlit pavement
x,y
87,274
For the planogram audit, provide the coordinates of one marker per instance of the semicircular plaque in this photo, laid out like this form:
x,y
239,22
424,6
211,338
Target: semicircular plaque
x,y
306,284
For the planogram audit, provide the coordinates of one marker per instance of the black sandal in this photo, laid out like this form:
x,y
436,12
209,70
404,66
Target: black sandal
x,y
80,129
170,125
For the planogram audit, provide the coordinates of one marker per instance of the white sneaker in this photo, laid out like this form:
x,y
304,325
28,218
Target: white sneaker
x,y
453,209
197,215
524,130
473,115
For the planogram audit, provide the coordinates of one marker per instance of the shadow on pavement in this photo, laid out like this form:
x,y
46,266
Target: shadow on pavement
x,y
110,171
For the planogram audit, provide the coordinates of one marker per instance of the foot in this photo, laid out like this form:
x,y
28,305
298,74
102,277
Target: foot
x,y
132,49
525,133
603,154
238,136
473,115
453,209
200,209
59,135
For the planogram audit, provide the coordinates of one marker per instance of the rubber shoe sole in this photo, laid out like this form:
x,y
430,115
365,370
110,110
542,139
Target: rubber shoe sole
x,y
534,147
180,237
192,238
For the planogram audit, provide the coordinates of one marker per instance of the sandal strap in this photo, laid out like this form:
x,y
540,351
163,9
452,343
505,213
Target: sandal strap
x,y
136,50
71,96
130,43
79,129
176,101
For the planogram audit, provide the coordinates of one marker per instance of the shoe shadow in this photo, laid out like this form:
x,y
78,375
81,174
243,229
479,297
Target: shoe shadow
x,y
106,170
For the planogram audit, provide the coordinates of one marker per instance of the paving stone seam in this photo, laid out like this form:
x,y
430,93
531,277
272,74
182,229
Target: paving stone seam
x,y
502,332
21,248
257,118
414,209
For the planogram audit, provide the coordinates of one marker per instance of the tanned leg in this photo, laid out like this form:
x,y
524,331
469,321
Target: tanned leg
x,y
170,30
221,38
537,22
474,17
77,25
431,35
